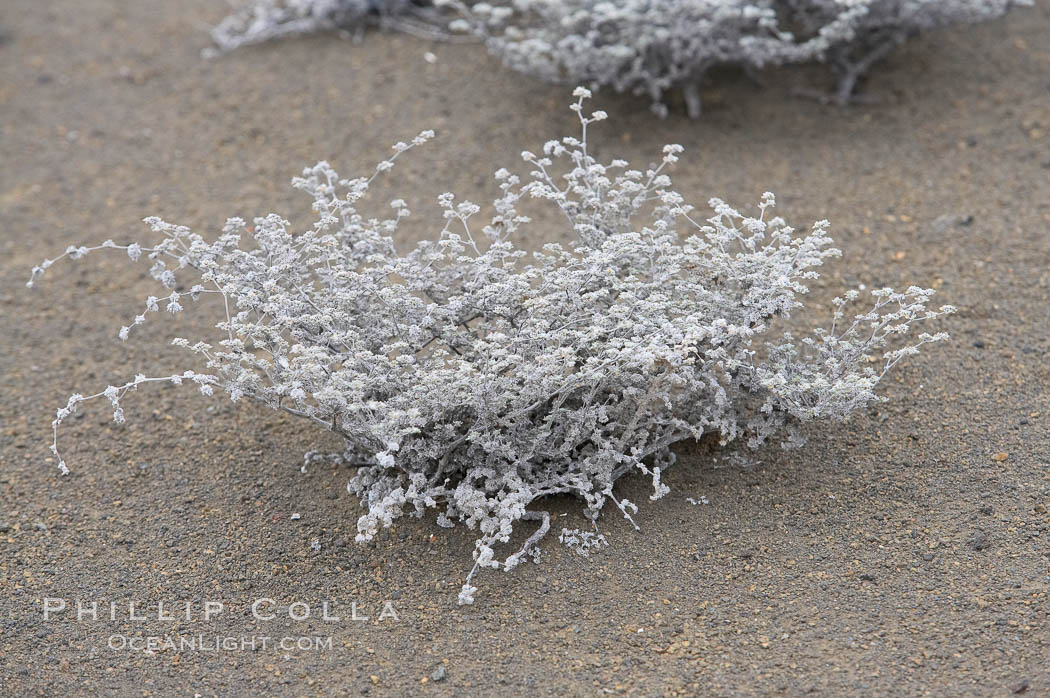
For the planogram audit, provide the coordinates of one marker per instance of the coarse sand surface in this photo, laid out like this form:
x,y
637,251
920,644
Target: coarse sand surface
x,y
903,553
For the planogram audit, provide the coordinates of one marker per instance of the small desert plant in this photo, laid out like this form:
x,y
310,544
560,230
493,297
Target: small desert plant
x,y
468,380
647,46
852,35
263,20
639,46
636,46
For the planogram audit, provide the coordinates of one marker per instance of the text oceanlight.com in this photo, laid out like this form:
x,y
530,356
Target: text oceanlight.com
x,y
218,643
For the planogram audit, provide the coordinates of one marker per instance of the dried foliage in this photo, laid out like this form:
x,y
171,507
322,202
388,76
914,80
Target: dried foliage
x,y
263,20
647,47
852,35
644,47
467,378
636,46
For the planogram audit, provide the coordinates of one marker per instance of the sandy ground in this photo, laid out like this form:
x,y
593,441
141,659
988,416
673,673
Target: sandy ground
x,y
899,554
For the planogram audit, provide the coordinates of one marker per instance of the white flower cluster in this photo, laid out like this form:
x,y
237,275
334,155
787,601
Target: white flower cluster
x,y
583,542
648,46
467,378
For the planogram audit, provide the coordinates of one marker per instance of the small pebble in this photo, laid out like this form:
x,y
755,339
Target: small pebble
x,y
980,541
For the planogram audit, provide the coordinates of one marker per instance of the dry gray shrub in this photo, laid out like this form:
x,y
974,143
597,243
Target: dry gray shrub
x,y
468,378
643,47
852,35
637,46
649,46
262,20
